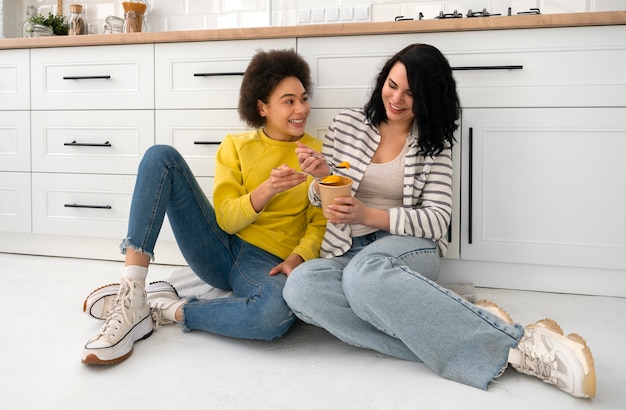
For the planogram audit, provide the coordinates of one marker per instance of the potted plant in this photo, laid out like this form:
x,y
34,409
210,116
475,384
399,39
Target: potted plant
x,y
39,25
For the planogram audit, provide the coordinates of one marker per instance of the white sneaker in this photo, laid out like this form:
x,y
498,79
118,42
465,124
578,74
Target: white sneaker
x,y
100,302
164,308
564,361
128,322
491,307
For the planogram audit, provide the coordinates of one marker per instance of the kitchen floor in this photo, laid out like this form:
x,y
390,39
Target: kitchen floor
x,y
45,329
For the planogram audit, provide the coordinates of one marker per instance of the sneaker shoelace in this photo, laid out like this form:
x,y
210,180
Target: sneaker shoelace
x,y
541,366
122,312
158,318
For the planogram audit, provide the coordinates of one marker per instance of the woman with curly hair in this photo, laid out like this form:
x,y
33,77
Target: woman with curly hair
x,y
376,286
260,228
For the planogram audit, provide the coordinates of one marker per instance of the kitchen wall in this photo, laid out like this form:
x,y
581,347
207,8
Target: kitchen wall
x,y
170,15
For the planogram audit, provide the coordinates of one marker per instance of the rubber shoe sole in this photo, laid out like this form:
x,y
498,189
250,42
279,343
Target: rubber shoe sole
x,y
574,352
123,349
99,302
491,307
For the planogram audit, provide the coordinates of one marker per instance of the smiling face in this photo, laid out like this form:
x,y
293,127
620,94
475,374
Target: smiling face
x,y
397,96
286,110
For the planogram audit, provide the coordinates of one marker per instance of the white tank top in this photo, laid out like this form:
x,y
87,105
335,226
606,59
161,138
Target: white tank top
x,y
381,188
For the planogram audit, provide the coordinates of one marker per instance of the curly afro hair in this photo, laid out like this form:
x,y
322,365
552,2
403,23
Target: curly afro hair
x,y
265,71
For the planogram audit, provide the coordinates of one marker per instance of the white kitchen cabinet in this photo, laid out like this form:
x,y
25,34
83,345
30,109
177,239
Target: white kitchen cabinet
x,y
14,80
101,77
197,134
81,205
15,141
91,142
572,66
539,192
545,186
206,74
15,202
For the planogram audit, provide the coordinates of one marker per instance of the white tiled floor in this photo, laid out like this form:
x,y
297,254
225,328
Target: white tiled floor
x,y
44,329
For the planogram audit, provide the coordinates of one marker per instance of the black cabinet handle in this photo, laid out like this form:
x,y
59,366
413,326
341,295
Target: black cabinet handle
x,y
85,144
216,74
207,142
88,77
488,67
88,206
470,183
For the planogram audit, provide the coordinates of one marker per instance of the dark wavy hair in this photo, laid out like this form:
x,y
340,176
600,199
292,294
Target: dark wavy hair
x,y
265,71
435,101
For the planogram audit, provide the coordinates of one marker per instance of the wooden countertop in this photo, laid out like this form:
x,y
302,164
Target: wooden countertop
x,y
326,30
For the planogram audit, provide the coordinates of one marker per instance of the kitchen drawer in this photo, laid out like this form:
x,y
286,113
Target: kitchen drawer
x,y
82,205
94,142
581,66
205,74
14,141
197,134
15,202
98,77
14,80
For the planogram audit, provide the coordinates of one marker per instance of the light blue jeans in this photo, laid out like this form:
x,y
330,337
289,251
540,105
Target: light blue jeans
x,y
382,295
256,310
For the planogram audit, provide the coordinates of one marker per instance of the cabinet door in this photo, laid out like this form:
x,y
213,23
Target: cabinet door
x,y
14,141
14,80
545,186
15,202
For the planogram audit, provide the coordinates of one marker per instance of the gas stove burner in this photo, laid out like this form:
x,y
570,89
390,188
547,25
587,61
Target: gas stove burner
x,y
483,13
454,15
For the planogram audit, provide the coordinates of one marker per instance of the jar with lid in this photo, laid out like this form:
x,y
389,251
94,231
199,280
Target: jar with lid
x,y
135,16
113,25
27,27
76,21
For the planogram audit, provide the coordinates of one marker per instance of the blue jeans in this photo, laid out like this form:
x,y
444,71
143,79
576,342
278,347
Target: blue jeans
x,y
382,295
256,310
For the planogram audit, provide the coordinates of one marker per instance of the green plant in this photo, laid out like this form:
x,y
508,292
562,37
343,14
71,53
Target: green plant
x,y
57,23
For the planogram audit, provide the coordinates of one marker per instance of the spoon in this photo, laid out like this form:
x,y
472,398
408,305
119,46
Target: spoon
x,y
327,180
344,164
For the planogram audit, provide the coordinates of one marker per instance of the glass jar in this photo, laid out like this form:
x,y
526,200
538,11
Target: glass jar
x,y
113,25
39,30
76,23
135,16
27,27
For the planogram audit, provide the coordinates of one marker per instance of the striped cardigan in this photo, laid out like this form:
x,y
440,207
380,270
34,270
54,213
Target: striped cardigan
x,y
427,193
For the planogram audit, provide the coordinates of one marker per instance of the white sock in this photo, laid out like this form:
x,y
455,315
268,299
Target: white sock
x,y
170,312
515,357
136,273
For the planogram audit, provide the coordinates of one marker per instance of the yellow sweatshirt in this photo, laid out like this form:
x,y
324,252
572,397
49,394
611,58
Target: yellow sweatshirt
x,y
288,223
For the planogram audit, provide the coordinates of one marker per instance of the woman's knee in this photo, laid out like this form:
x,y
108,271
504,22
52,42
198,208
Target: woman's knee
x,y
295,290
306,281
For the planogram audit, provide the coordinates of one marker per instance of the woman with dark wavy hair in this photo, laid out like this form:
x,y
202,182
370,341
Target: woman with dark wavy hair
x,y
375,286
260,228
